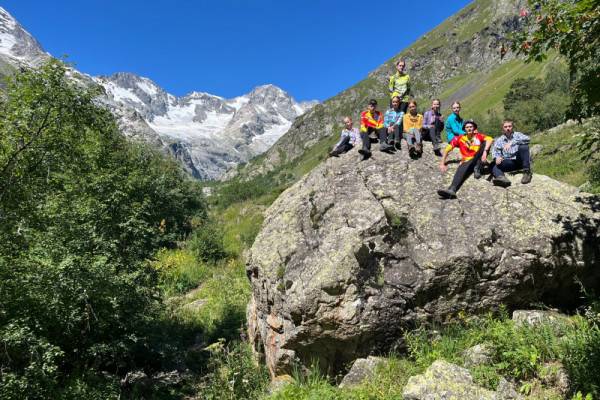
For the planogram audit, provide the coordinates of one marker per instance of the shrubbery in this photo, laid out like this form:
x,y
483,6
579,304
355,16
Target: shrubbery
x,y
81,208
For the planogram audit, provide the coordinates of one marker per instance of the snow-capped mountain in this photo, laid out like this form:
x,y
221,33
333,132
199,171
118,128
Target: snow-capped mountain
x,y
216,132
206,133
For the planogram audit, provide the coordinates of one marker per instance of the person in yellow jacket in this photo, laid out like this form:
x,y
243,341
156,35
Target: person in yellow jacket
x,y
412,124
399,85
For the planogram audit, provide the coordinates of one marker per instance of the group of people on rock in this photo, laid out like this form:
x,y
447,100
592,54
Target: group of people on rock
x,y
510,151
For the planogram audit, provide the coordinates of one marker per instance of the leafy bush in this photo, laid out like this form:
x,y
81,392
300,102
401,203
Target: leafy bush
x,y
207,242
81,209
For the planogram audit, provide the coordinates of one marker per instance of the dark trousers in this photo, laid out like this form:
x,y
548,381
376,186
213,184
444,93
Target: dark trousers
x,y
434,134
521,162
344,146
381,134
465,169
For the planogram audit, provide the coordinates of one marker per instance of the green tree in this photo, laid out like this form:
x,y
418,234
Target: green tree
x,y
572,27
81,209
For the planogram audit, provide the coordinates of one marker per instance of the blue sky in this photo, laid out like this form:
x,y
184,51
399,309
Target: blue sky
x,y
312,49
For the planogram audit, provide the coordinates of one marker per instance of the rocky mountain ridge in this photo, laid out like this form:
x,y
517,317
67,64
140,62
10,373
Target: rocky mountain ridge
x,y
460,59
206,133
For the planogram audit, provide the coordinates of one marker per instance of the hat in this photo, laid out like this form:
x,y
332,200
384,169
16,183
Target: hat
x,y
470,121
372,102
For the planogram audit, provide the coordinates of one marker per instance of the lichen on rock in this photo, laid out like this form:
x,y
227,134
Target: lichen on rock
x,y
357,252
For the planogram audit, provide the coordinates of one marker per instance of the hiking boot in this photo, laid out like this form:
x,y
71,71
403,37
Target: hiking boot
x,y
477,172
412,152
365,153
398,145
447,193
527,175
334,153
437,152
502,181
386,148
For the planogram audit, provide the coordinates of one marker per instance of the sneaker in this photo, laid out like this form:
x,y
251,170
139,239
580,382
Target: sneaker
x,y
477,172
502,181
527,175
412,152
447,193
419,149
437,152
386,149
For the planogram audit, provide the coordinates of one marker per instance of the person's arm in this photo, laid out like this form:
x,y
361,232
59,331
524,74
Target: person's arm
x,y
419,122
488,143
520,138
391,84
497,148
342,136
427,119
363,122
447,150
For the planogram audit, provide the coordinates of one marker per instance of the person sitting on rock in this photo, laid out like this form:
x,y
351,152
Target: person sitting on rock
x,y
412,124
392,121
399,85
454,123
348,139
433,125
473,147
511,153
371,121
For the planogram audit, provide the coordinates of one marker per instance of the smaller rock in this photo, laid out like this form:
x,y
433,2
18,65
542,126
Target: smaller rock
x,y
171,378
444,380
279,382
480,354
362,369
535,150
539,317
553,374
506,390
195,305
135,378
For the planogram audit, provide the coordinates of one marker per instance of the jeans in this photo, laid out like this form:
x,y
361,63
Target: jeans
x,y
465,169
521,162
344,146
395,135
381,133
412,136
434,134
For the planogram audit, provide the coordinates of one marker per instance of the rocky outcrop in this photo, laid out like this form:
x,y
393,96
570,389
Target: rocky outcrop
x,y
465,47
356,252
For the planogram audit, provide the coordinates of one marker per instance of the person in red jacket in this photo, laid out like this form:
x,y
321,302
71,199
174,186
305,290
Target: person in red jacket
x,y
371,121
474,147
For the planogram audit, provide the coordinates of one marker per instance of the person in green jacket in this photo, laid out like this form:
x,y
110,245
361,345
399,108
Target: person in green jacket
x,y
399,85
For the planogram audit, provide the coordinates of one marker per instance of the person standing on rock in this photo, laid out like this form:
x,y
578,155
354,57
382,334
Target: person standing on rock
x,y
433,125
454,123
473,147
371,120
392,121
511,153
412,124
399,85
348,139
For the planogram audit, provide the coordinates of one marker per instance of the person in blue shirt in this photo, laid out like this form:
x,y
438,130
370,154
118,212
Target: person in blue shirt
x,y
392,122
454,123
511,153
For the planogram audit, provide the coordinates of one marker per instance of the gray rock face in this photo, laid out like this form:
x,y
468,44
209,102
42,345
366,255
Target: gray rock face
x,y
480,354
355,252
444,380
16,44
362,369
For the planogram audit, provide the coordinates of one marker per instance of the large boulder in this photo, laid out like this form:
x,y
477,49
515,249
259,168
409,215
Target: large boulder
x,y
356,252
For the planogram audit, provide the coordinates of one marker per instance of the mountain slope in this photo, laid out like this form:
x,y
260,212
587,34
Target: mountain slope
x,y
458,60
206,133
